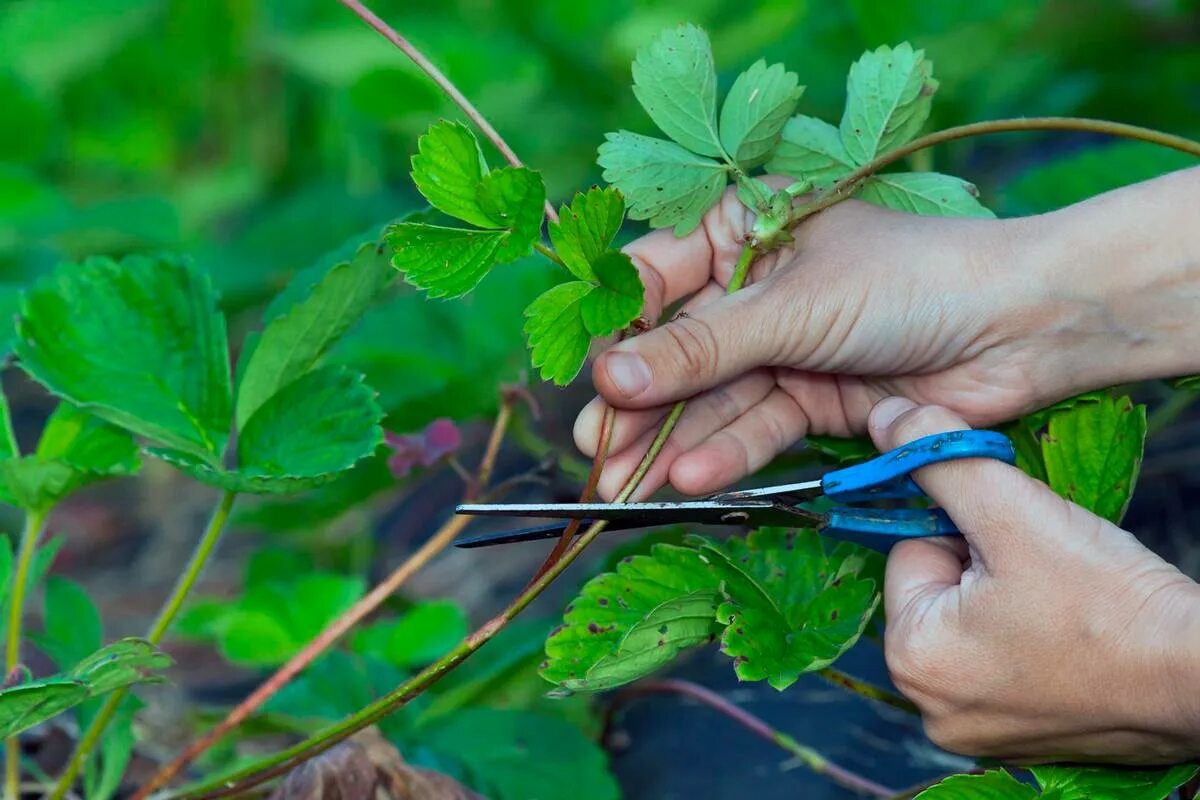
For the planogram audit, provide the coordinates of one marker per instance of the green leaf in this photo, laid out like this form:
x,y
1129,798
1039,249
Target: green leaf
x,y
888,96
586,228
315,428
71,623
447,169
991,785
558,338
102,781
790,606
116,666
674,80
1103,783
293,342
928,193
617,299
253,638
8,439
445,262
139,343
515,755
755,111
843,451
1191,383
629,623
662,182
514,198
418,637
1093,452
87,444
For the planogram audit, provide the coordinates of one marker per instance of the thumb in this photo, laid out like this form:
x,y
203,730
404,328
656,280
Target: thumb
x,y
1005,516
695,351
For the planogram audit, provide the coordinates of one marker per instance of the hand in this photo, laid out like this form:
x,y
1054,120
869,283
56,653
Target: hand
x,y
989,318
1047,633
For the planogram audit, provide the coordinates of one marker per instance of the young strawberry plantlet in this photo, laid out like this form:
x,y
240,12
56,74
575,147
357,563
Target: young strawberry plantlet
x,y
136,351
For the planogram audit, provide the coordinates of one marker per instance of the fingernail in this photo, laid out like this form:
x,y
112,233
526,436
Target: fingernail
x,y
886,410
629,372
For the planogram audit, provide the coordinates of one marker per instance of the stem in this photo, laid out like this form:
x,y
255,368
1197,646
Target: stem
x,y
807,756
846,186
166,615
434,545
1169,411
35,521
867,690
742,269
445,84
549,253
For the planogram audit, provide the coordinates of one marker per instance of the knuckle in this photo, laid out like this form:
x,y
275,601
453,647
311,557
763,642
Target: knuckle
x,y
920,421
695,345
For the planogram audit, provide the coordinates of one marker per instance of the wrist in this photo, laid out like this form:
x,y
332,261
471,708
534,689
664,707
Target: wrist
x,y
1112,285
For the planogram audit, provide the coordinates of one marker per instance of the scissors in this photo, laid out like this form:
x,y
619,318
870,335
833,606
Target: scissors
x,y
885,477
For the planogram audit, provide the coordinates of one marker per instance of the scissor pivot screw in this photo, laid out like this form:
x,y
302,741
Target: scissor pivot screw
x,y
734,517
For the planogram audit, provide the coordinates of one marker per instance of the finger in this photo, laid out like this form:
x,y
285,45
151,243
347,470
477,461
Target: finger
x,y
672,268
693,352
741,447
1000,510
917,571
703,416
710,412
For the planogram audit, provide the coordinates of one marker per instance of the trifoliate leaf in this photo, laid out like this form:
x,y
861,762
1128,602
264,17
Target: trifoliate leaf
x,y
674,80
755,110
509,754
586,228
790,607
445,262
554,327
929,193
139,343
310,431
991,785
629,623
1102,783
1093,452
888,96
447,170
811,150
617,299
662,182
116,666
293,342
513,198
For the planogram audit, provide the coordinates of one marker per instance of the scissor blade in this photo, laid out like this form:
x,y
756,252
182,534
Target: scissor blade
x,y
540,532
798,492
698,512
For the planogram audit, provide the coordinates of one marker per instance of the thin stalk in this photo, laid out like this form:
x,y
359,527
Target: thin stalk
x,y
867,690
434,545
35,522
166,615
847,185
742,269
549,253
1169,411
445,84
807,756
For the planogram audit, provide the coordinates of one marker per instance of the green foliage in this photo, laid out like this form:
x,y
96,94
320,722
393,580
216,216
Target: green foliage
x,y
616,298
780,604
675,81
992,785
755,111
513,755
417,637
1064,783
506,204
118,665
139,343
558,336
1092,453
813,149
586,228
889,93
929,193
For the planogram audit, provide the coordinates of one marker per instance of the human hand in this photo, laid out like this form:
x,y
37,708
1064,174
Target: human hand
x,y
1046,633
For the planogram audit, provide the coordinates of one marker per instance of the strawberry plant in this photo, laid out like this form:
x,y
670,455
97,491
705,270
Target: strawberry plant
x,y
136,353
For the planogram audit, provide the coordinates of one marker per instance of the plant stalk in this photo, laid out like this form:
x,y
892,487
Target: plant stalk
x,y
166,615
807,756
445,84
868,690
435,544
35,522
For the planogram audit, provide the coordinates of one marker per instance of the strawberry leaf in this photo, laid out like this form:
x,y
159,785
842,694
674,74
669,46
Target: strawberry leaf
x,y
1102,783
674,80
629,623
139,343
617,299
586,228
445,262
447,169
991,785
513,198
755,111
558,338
929,193
662,182
889,93
811,150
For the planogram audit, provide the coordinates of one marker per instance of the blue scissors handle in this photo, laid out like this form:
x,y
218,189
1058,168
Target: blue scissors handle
x,y
889,476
